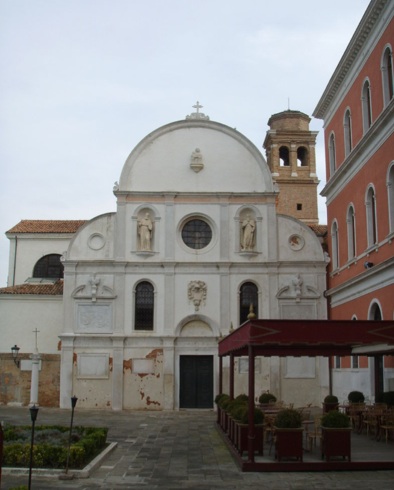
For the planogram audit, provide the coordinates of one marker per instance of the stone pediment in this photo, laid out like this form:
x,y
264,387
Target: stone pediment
x,y
93,290
297,290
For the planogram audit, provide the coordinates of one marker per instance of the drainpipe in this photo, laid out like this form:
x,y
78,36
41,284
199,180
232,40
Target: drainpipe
x,y
14,265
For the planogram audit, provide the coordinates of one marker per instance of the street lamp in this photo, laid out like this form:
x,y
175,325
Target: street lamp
x,y
33,416
15,353
74,400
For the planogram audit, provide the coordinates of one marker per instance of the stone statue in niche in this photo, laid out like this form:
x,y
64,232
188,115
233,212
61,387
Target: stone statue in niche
x,y
145,232
196,163
197,293
248,227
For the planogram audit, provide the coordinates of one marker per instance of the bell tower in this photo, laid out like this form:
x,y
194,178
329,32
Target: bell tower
x,y
290,152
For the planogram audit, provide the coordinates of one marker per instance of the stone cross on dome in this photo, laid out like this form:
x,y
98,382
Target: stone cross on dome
x,y
198,106
197,114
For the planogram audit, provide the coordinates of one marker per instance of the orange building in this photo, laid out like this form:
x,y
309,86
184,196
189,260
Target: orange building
x,y
357,107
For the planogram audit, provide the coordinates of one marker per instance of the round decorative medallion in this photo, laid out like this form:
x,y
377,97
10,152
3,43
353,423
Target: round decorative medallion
x,y
96,241
296,242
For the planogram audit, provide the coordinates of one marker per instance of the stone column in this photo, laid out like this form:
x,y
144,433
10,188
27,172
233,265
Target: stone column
x,y
66,370
169,247
35,375
293,160
117,373
168,373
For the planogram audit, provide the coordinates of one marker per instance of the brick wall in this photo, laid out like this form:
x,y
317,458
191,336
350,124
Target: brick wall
x,y
15,383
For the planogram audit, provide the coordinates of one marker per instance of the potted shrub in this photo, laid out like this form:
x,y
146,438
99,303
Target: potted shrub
x,y
218,399
288,434
356,397
267,398
336,435
241,415
223,403
232,410
330,402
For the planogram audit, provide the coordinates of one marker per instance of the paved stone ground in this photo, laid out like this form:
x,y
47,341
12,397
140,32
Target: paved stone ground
x,y
176,450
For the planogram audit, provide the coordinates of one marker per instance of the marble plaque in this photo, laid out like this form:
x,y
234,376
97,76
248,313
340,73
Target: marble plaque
x,y
94,318
143,366
300,367
93,366
243,366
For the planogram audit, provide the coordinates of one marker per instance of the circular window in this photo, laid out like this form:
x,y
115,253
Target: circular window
x,y
196,234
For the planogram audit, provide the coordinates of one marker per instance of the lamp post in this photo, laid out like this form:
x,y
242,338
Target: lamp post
x,y
74,400
15,353
33,416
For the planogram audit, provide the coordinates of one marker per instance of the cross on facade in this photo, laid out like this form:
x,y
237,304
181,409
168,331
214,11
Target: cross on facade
x,y
198,106
36,332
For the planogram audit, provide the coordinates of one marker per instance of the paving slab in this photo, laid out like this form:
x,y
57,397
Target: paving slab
x,y
174,450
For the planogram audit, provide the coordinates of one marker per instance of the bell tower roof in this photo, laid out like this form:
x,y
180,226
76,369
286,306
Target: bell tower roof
x,y
290,151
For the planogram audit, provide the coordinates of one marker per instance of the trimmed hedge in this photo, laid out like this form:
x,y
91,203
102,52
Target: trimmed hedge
x,y
51,446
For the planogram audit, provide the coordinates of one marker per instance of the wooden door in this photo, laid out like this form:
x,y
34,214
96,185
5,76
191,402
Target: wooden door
x,y
196,382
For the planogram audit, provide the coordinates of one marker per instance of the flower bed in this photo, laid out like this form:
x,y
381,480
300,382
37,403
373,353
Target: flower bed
x,y
51,446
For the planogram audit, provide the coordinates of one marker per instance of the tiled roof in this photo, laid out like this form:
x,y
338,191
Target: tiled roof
x,y
320,230
47,226
42,289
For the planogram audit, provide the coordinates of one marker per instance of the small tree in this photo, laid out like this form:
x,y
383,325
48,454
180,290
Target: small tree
x,y
266,398
356,397
288,419
335,419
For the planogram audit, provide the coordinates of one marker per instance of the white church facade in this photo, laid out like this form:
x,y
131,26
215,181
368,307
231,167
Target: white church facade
x,y
195,246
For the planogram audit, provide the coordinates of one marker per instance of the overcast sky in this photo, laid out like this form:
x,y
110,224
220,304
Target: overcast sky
x,y
83,81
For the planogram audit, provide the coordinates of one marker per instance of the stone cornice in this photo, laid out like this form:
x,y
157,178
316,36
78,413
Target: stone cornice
x,y
379,276
352,54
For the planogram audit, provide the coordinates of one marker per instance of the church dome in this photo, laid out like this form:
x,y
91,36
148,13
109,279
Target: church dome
x,y
195,155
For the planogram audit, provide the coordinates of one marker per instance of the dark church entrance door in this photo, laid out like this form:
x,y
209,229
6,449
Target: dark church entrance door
x,y
196,382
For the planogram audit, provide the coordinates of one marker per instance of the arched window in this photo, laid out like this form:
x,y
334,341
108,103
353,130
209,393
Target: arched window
x,y
49,266
332,154
347,129
284,156
375,313
335,245
248,298
387,75
351,232
390,196
143,306
302,156
370,203
366,106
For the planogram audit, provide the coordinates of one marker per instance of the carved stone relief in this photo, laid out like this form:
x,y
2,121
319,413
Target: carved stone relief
x,y
196,160
297,290
93,289
94,318
197,293
296,242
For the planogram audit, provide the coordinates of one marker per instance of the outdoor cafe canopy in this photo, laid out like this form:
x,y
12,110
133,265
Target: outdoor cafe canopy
x,y
283,338
309,338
